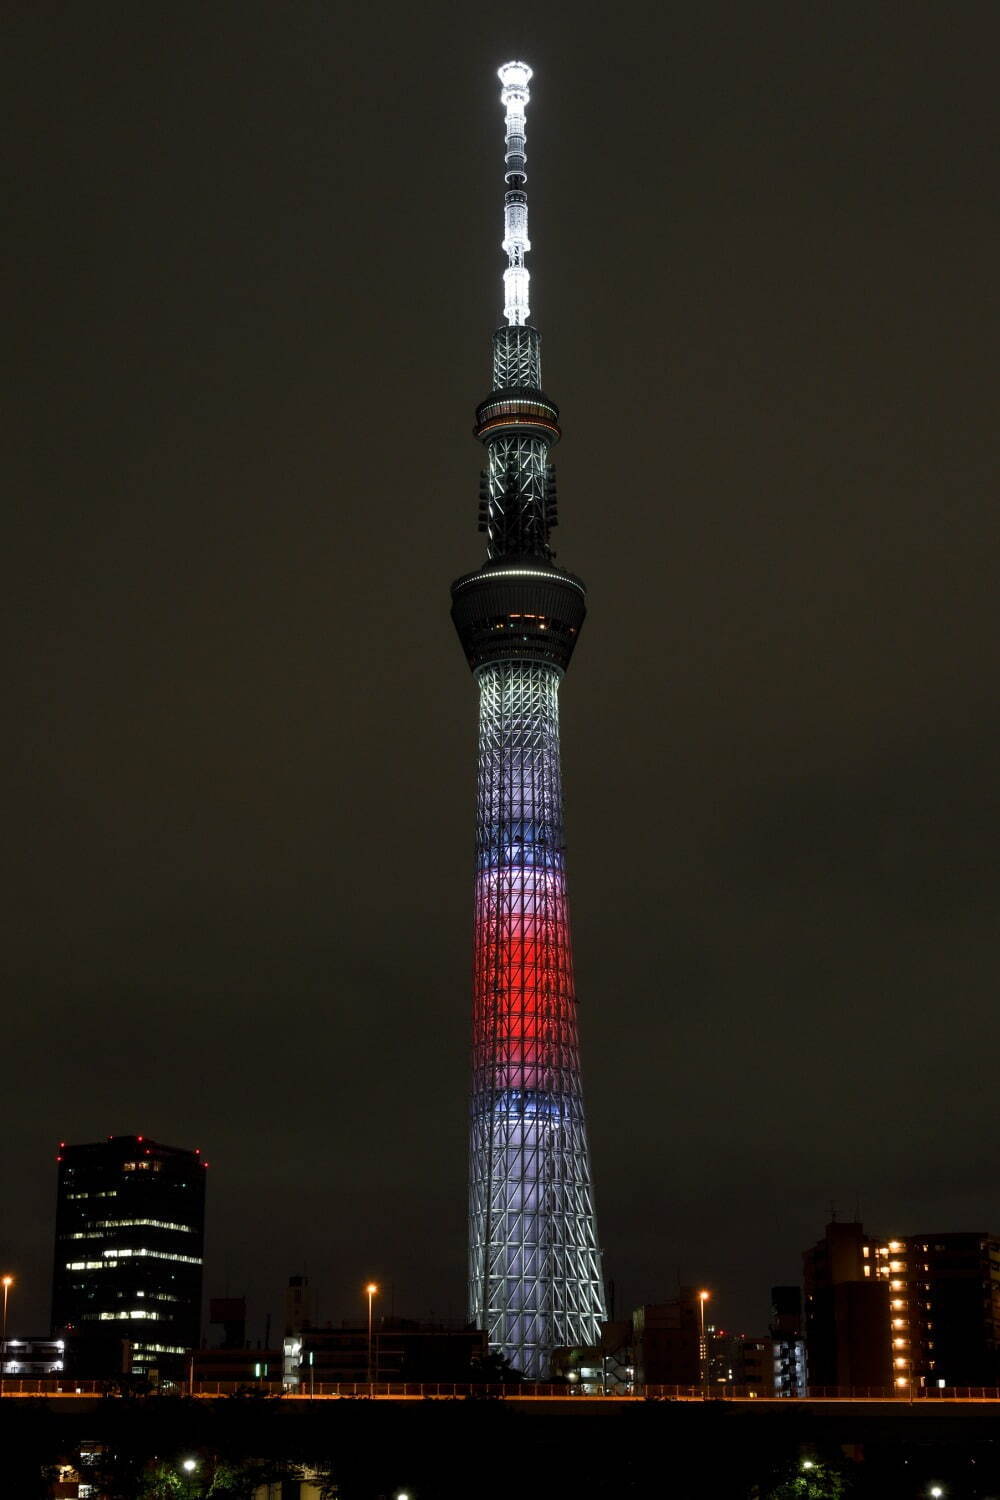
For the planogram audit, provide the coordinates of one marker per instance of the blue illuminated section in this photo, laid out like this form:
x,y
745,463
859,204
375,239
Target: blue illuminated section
x,y
524,1102
523,845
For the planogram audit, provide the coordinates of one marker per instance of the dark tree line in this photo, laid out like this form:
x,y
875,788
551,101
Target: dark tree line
x,y
135,1448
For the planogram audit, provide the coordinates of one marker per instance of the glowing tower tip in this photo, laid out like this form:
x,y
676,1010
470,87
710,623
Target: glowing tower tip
x,y
514,96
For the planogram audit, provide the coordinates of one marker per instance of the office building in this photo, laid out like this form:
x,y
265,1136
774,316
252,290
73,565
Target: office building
x,y
126,1286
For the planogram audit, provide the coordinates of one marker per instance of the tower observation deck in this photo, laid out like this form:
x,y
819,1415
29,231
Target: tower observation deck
x,y
535,1278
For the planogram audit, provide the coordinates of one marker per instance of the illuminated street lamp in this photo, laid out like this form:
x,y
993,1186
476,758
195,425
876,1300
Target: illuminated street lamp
x,y
371,1289
6,1282
702,1345
935,1492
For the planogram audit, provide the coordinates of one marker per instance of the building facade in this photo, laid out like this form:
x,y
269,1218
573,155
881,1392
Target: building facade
x,y
846,1311
918,1313
535,1279
37,1357
788,1341
944,1307
403,1350
130,1227
667,1342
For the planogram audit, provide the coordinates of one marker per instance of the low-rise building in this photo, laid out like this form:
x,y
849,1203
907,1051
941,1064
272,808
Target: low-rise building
x,y
790,1368
402,1349
236,1366
36,1357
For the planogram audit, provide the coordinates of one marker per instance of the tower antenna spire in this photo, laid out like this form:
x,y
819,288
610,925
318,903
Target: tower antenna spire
x,y
514,96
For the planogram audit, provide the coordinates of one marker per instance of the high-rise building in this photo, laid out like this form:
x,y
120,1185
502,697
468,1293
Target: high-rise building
x,y
847,1311
130,1227
535,1266
944,1308
920,1312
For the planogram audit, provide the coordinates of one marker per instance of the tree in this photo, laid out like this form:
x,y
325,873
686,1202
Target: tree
x,y
811,1480
494,1368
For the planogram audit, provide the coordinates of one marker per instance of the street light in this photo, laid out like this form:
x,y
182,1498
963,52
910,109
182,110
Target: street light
x,y
6,1282
371,1289
935,1492
702,1345
189,1465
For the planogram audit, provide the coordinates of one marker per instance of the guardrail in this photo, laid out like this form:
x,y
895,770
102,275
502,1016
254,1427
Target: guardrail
x,y
447,1390
359,1390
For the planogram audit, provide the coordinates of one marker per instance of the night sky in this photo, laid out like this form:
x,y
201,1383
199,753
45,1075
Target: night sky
x,y
253,271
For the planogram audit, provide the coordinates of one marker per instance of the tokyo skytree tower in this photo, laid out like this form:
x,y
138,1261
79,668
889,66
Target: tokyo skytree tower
x,y
534,1264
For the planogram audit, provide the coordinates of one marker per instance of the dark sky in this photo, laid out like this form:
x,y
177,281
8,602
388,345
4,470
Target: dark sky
x,y
252,276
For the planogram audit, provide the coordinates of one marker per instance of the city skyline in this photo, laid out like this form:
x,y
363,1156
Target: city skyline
x,y
246,328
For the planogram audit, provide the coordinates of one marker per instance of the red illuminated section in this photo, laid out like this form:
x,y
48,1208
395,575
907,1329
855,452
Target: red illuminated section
x,y
524,1014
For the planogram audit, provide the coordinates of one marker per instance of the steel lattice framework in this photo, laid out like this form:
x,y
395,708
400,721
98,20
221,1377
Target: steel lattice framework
x,y
535,1279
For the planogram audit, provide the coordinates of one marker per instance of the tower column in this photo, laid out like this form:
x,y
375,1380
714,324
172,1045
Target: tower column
x,y
535,1277
535,1280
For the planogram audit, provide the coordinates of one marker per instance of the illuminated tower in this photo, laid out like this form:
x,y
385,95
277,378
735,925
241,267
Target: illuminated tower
x,y
534,1264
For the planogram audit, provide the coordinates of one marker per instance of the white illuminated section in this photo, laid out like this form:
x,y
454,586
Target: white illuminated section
x,y
514,96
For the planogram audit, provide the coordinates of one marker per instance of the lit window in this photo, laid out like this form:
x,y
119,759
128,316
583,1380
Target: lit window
x,y
97,1231
189,1260
122,1317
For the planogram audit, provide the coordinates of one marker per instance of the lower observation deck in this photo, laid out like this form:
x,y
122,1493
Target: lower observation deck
x,y
518,610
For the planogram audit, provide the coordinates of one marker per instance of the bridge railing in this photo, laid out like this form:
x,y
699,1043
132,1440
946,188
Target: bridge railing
x,y
448,1390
